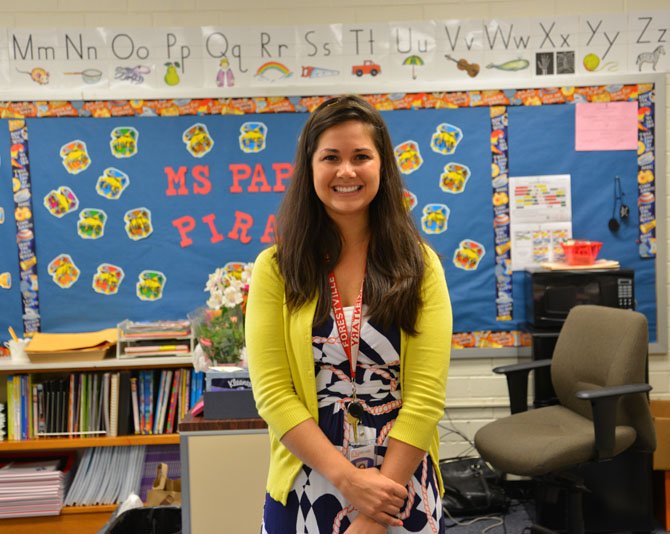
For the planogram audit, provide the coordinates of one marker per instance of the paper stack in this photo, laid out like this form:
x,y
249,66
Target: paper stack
x,y
33,487
86,346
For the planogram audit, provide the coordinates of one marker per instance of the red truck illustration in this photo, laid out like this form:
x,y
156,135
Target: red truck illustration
x,y
368,67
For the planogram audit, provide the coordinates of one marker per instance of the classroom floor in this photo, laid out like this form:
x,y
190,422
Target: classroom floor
x,y
517,520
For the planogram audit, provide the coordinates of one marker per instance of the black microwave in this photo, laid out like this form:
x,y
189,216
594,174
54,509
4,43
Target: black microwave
x,y
551,294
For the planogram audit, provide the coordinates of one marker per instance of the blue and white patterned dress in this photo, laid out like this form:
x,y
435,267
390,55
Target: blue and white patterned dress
x,y
314,505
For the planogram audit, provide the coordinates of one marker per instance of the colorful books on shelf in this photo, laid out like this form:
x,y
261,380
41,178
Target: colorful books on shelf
x,y
161,398
100,403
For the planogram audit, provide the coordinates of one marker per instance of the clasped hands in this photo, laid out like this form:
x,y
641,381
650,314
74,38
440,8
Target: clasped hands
x,y
377,498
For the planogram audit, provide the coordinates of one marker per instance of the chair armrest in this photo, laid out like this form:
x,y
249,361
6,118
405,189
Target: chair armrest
x,y
517,382
604,403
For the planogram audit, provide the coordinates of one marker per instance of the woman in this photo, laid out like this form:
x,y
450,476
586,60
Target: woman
x,y
348,331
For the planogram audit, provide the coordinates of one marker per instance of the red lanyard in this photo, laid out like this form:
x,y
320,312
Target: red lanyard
x,y
350,342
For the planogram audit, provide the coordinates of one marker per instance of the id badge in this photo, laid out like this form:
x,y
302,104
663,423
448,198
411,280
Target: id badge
x,y
362,456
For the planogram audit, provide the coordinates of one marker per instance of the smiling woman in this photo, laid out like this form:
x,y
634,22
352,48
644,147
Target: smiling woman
x,y
346,167
348,336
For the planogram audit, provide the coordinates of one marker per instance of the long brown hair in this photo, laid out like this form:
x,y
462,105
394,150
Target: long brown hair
x,y
309,242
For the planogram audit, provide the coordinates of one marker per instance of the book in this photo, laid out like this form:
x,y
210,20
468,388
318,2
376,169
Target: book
x,y
75,403
125,413
24,396
105,401
174,394
49,388
136,412
159,401
148,400
114,405
35,419
41,414
70,404
141,386
10,407
165,399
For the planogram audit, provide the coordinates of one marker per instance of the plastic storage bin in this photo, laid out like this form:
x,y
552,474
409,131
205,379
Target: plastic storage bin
x,y
578,252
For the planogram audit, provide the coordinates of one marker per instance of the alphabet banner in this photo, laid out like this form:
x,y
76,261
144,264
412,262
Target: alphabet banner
x,y
221,61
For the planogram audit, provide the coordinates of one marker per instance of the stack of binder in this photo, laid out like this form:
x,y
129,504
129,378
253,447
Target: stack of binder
x,y
107,475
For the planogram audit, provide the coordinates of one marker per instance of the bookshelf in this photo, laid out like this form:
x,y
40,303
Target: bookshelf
x,y
80,519
55,444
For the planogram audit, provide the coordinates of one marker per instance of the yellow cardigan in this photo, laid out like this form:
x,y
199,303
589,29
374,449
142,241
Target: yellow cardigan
x,y
281,366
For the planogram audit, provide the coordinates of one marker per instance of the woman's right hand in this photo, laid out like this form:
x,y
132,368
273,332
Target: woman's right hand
x,y
374,495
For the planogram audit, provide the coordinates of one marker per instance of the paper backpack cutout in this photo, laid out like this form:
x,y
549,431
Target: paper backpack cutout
x,y
446,138
197,139
150,285
408,156
75,156
63,271
138,223
91,224
252,137
454,178
435,218
112,183
61,202
409,199
107,279
468,255
6,280
124,141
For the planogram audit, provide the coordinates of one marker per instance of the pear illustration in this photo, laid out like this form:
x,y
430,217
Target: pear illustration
x,y
171,75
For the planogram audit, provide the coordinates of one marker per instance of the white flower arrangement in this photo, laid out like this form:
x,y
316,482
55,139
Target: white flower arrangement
x,y
219,328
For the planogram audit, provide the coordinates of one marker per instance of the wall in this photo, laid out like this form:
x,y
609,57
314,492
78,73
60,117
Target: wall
x,y
474,395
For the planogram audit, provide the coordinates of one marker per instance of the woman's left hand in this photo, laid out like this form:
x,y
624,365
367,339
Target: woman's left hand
x,y
364,525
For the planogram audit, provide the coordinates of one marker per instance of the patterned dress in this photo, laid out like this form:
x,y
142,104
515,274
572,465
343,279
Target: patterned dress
x,y
314,505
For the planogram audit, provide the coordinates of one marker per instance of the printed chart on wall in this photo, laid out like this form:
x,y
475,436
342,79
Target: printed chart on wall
x,y
132,214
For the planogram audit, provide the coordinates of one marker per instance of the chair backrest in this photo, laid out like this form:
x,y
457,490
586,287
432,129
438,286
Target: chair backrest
x,y
600,346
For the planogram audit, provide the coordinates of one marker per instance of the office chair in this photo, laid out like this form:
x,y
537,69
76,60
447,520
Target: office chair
x,y
598,372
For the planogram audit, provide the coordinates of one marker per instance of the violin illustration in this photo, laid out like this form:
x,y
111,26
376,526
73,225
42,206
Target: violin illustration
x,y
471,68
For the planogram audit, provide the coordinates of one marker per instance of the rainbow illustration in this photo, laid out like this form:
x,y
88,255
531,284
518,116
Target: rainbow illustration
x,y
272,71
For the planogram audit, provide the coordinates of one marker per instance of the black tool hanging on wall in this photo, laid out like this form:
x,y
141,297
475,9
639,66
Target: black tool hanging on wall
x,y
620,203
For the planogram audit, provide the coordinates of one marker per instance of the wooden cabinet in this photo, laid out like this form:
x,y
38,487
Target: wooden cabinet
x,y
79,519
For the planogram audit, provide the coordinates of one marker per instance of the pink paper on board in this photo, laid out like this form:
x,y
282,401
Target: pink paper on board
x,y
606,126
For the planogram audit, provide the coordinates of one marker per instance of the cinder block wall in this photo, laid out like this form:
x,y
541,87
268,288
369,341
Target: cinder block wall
x,y
474,395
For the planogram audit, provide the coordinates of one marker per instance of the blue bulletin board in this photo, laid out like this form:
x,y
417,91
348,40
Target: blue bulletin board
x,y
131,213
223,188
10,295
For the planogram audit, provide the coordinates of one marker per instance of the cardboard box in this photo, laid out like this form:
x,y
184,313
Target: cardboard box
x,y
660,410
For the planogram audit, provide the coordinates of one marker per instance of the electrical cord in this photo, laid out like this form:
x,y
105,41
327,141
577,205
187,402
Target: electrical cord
x,y
498,521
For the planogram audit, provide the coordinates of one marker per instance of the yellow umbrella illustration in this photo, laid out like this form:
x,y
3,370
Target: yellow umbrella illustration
x,y
414,61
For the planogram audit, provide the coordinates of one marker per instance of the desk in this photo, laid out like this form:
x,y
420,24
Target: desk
x,y
224,467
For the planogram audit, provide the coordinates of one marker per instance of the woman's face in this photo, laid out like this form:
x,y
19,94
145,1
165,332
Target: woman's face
x,y
346,167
